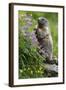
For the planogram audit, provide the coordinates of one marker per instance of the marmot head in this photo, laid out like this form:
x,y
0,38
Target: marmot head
x,y
42,22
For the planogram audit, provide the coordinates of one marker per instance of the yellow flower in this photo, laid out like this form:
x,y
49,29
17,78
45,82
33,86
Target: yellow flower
x,y
28,68
21,71
38,71
40,68
31,72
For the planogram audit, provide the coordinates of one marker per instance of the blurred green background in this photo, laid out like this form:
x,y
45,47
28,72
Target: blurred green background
x,y
30,61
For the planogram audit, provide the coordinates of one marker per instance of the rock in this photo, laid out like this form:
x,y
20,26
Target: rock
x,y
51,67
51,70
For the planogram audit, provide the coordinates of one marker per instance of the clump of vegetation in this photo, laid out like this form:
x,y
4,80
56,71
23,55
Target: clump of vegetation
x,y
30,61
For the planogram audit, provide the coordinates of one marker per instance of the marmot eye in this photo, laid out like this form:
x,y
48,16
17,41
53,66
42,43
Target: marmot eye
x,y
42,19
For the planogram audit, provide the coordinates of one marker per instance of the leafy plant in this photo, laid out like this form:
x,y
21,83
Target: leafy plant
x,y
30,61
